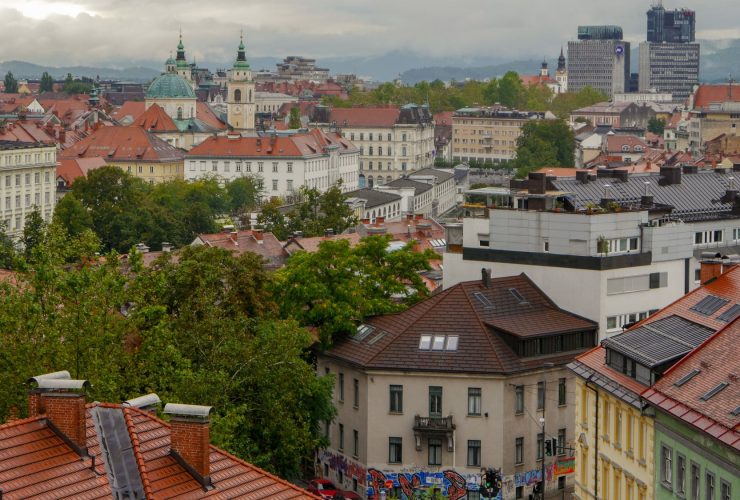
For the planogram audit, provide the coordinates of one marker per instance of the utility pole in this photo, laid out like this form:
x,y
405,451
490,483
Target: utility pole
x,y
542,421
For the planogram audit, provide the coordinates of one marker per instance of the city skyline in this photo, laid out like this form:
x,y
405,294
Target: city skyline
x,y
113,33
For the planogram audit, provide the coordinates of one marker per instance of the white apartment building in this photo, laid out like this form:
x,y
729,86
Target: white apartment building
x,y
393,141
615,265
281,163
270,102
28,180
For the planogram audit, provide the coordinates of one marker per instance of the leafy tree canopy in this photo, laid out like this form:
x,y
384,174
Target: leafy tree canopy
x,y
544,143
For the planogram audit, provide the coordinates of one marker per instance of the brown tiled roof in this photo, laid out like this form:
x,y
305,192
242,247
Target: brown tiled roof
x,y
156,119
71,168
294,146
365,117
457,311
270,248
615,143
36,462
715,363
124,144
133,109
204,113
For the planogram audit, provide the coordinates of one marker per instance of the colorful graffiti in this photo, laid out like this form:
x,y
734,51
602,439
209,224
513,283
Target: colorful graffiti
x,y
565,466
449,483
349,468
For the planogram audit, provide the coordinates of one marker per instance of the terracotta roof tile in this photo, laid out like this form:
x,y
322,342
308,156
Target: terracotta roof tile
x,y
246,241
124,144
130,109
295,146
706,95
155,119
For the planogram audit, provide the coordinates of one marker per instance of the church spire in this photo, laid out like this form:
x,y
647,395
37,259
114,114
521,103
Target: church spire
x,y
241,56
561,60
180,49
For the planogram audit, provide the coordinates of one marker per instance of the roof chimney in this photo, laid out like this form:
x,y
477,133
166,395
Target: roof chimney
x,y
166,246
711,267
148,402
485,277
34,394
63,402
234,237
258,235
190,439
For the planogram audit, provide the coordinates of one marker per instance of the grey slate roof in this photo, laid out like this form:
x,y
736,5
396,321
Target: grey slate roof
x,y
609,385
442,175
695,198
660,341
372,197
419,187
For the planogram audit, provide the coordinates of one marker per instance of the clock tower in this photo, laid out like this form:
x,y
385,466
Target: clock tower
x,y
240,93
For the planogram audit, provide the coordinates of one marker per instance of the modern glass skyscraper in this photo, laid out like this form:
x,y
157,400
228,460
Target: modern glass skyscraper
x,y
672,26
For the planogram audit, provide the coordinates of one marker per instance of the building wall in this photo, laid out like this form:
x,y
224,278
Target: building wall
x,y
669,67
240,112
615,450
485,139
594,63
698,449
497,426
27,179
177,108
281,176
403,149
152,172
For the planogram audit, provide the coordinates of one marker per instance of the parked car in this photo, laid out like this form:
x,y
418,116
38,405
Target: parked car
x,y
326,489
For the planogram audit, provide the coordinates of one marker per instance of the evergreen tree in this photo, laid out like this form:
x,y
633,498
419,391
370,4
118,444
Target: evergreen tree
x,y
47,83
295,118
544,143
11,84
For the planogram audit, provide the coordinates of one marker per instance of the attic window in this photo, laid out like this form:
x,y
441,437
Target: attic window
x,y
451,343
686,377
736,412
482,299
713,392
709,305
518,296
425,342
438,343
363,331
730,314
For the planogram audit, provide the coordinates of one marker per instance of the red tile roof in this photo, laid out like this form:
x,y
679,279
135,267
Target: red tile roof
x,y
617,143
443,118
458,311
36,462
132,109
117,144
715,362
365,117
204,113
70,169
298,145
247,241
156,119
706,95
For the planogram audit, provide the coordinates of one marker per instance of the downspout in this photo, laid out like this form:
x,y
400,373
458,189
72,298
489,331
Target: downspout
x,y
596,438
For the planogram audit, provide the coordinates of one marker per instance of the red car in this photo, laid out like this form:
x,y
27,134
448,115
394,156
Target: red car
x,y
326,489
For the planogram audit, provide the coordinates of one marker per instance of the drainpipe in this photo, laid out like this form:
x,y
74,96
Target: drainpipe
x,y
596,440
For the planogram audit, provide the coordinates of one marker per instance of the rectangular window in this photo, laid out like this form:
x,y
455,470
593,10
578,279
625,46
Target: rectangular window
x,y
395,450
355,443
202,166
396,399
260,166
540,395
18,179
680,474
695,478
666,465
7,203
46,176
561,392
151,169
274,184
618,427
708,237
356,397
725,490
435,451
17,201
227,166
474,401
540,445
341,387
191,164
214,166
341,436
28,179
473,453
435,401
709,485
37,178
274,167
519,405
238,166
248,166
290,167
290,184
519,451
28,200
606,419
561,442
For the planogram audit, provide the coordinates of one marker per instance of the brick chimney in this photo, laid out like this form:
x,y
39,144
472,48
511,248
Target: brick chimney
x,y
234,237
711,267
190,439
63,400
258,236
34,393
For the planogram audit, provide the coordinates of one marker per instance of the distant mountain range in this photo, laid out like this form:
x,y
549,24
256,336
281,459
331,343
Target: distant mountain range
x,y
719,59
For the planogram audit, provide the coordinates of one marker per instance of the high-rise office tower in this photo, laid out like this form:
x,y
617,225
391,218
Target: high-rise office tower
x,y
599,59
669,59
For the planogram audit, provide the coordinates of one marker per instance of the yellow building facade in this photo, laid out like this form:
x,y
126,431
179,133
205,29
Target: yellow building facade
x,y
153,172
614,446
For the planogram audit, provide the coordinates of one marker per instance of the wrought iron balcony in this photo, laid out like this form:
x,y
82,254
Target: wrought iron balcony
x,y
433,424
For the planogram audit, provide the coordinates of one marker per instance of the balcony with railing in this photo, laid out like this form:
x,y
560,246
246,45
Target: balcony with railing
x,y
434,427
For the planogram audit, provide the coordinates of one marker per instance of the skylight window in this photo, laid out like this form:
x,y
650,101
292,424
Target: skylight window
x,y
736,412
730,314
518,296
686,377
482,299
451,343
439,343
709,305
363,331
425,342
713,392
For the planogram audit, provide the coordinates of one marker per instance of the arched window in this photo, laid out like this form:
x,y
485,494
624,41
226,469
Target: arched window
x,y
370,184
237,95
179,113
361,181
388,179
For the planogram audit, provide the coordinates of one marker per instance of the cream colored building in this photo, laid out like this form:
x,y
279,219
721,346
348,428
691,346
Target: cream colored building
x,y
488,135
240,95
393,142
270,102
432,395
27,180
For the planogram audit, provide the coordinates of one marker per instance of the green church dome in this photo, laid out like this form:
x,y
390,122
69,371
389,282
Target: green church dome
x,y
170,85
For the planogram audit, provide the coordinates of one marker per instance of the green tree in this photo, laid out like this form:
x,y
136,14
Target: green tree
x,y
338,286
656,126
564,104
34,230
295,118
72,215
544,143
511,90
11,84
47,83
244,194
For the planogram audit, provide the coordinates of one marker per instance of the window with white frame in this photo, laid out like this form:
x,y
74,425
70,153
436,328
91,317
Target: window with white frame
x,y
623,245
617,322
708,237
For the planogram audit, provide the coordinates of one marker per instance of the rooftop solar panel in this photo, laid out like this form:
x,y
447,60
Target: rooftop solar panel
x,y
709,305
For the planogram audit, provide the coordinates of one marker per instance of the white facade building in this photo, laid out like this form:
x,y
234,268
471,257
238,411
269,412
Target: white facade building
x,y
283,164
28,180
270,102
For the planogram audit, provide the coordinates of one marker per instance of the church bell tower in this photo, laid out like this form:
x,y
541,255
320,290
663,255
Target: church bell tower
x,y
240,93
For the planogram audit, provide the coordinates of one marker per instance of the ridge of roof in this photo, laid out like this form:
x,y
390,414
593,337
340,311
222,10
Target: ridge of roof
x,y
483,326
135,444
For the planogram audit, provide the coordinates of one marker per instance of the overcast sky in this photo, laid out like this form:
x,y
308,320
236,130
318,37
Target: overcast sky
x,y
117,32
